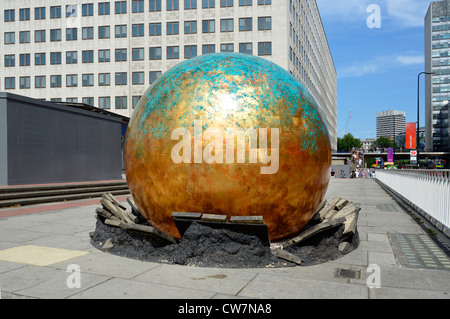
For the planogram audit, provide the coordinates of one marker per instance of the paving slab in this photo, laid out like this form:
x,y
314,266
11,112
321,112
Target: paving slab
x,y
104,275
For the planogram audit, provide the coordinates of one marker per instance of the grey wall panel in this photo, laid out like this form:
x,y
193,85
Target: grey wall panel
x,y
47,145
3,144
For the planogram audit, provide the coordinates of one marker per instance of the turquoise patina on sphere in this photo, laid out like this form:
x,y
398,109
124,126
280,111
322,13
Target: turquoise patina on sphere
x,y
229,134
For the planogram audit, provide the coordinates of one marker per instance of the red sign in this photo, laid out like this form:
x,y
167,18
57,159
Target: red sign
x,y
410,138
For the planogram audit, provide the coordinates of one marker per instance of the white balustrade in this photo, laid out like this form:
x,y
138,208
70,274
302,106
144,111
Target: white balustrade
x,y
428,190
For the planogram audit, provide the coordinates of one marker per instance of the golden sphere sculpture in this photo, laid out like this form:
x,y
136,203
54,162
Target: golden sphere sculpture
x,y
228,134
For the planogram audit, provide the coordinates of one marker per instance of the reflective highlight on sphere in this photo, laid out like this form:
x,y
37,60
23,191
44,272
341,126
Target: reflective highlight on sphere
x,y
228,134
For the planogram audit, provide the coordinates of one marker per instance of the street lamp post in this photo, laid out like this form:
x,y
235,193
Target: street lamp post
x,y
418,114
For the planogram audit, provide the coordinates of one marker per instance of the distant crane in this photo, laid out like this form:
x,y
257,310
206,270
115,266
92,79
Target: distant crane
x,y
344,131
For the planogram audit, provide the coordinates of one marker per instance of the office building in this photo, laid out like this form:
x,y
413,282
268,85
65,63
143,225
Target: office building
x,y
437,61
106,53
390,123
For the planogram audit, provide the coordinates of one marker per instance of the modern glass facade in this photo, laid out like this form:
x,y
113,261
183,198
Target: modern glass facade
x,y
437,61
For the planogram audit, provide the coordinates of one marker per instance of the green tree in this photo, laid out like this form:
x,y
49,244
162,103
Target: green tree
x,y
348,142
383,142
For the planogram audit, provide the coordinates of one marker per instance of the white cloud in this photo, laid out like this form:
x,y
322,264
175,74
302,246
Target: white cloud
x,y
408,60
378,65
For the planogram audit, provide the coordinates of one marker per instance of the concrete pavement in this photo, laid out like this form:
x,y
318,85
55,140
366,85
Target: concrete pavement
x,y
47,254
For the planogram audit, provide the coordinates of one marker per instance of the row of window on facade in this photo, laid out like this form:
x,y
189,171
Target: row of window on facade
x,y
104,102
155,29
155,53
104,79
120,7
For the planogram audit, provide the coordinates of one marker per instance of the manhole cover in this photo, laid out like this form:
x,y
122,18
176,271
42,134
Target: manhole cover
x,y
346,273
418,251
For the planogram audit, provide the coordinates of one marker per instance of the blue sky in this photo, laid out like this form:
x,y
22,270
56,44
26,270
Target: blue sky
x,y
377,68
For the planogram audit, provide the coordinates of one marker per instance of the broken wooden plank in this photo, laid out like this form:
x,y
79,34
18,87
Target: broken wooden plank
x,y
115,223
185,215
312,231
282,254
247,219
151,231
214,218
116,211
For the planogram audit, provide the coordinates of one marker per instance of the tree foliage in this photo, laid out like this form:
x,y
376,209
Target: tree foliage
x,y
383,142
348,142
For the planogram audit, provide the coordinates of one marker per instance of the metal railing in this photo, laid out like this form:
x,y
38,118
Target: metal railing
x,y
427,190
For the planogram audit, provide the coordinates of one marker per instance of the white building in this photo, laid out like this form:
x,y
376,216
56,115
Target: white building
x,y
390,123
106,53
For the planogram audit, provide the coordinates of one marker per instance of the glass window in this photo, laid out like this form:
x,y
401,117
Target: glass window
x,y
71,34
55,81
24,14
172,5
120,7
138,78
208,4
137,6
226,3
155,29
243,3
173,52
103,8
88,56
190,27
87,33
104,55
71,57
71,80
10,37
155,53
138,30
10,60
24,37
264,2
39,59
104,102
138,54
71,10
245,24
208,26
104,79
208,48
173,28
155,5
24,82
227,47
55,35
39,13
24,59
39,81
226,25
87,9
55,12
135,100
246,48
190,4
88,79
121,31
154,75
264,23
55,58
88,101
121,102
264,48
104,32
39,36
10,83
190,51
121,55
9,16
